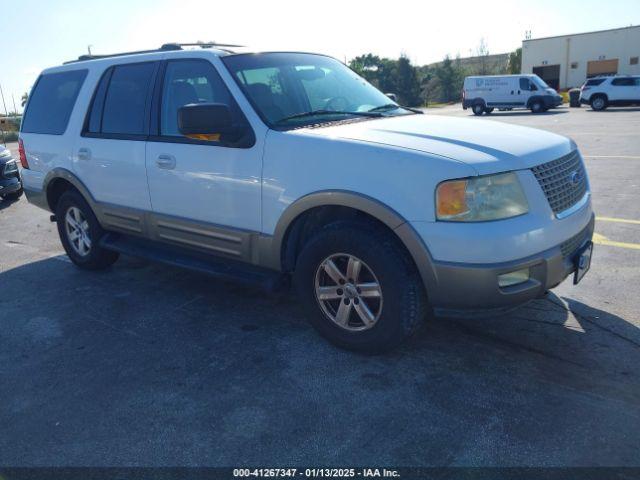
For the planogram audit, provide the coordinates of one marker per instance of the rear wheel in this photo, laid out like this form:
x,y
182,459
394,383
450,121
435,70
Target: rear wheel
x,y
478,109
360,289
80,233
599,102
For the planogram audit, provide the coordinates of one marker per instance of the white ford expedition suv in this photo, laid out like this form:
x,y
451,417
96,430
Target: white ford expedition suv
x,y
268,165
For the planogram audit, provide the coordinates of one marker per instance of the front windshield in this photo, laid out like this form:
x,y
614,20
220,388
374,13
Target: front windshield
x,y
293,89
540,82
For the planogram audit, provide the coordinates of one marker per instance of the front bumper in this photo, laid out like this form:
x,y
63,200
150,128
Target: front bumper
x,y
9,185
553,101
463,286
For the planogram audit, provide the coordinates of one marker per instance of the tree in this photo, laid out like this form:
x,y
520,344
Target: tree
x,y
408,86
25,97
514,64
390,76
449,76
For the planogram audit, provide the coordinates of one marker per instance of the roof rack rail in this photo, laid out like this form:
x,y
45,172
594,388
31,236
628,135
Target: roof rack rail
x,y
167,47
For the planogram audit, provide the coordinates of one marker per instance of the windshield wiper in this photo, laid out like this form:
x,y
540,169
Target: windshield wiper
x,y
393,106
312,113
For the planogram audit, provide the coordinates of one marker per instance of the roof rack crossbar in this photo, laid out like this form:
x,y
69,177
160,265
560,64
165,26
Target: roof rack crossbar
x,y
167,47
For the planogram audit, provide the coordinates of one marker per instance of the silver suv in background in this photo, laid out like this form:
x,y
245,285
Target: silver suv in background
x,y
603,92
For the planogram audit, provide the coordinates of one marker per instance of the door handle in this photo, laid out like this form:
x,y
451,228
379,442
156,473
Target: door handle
x,y
84,154
168,162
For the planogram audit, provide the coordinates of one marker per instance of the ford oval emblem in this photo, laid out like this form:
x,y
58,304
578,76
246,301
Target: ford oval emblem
x,y
575,177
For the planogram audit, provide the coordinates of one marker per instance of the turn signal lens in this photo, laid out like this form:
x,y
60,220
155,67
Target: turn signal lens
x,y
451,198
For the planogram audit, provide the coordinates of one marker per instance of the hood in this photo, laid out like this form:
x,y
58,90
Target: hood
x,y
487,146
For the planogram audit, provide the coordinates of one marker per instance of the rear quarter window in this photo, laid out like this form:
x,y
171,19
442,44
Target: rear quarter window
x,y
51,102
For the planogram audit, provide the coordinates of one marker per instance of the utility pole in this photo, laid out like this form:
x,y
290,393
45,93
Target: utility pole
x,y
15,110
3,104
5,114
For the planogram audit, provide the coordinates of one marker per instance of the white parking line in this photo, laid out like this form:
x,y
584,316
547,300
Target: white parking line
x,y
634,157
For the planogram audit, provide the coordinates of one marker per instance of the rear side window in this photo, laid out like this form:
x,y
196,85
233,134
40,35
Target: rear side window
x,y
594,82
51,102
126,99
623,82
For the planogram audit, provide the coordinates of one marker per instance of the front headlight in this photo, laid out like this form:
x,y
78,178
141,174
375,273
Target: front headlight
x,y
477,199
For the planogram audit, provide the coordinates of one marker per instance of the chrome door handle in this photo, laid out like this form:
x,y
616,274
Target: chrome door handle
x,y
84,154
167,162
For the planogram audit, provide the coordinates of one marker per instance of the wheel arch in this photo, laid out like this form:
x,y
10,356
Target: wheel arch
x,y
285,241
60,180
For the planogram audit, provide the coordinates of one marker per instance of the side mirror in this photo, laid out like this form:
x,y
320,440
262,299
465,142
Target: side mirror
x,y
532,87
205,121
392,96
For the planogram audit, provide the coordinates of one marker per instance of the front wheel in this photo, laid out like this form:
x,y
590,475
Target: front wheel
x,y
537,107
361,290
80,233
599,103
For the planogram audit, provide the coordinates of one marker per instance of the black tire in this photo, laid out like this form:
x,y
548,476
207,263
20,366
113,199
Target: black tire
x,y
12,197
97,258
478,109
536,106
403,304
599,103
488,110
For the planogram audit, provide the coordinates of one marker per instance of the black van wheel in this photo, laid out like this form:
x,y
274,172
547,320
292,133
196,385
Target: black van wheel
x,y
537,107
478,109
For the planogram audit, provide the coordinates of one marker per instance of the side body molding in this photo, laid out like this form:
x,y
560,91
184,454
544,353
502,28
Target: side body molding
x,y
270,254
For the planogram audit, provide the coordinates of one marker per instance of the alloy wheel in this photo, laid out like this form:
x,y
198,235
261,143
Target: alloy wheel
x,y
77,229
348,292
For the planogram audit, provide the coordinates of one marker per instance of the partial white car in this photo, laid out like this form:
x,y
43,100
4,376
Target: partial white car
x,y
265,166
616,91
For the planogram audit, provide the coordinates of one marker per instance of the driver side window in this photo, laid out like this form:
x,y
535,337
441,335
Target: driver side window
x,y
525,84
187,82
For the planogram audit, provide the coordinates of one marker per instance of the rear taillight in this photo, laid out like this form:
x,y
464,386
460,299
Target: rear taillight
x,y
463,94
22,154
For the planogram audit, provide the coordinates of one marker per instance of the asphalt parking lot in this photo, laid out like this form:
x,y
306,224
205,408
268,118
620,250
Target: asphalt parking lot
x,y
151,365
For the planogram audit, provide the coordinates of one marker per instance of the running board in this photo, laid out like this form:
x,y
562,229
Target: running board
x,y
269,280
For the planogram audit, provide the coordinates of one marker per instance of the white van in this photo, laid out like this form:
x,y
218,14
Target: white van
x,y
505,92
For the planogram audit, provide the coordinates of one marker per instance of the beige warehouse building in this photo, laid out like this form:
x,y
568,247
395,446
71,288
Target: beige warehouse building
x,y
567,61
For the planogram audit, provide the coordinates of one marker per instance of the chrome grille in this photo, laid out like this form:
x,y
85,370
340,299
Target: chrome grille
x,y
569,247
564,181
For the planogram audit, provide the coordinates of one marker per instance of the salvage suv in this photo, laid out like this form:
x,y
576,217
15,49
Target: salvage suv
x,y
267,166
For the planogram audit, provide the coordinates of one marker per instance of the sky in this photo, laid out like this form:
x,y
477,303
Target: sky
x,y
37,34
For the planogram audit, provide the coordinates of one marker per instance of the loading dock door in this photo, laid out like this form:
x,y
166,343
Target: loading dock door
x,y
602,67
550,74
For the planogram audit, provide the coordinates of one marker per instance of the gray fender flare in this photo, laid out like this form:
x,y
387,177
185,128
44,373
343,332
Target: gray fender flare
x,y
385,214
